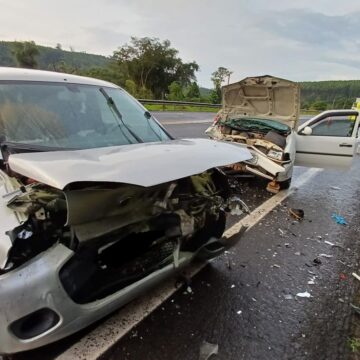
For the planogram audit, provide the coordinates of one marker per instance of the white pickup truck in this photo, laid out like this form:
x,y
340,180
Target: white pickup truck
x,y
262,114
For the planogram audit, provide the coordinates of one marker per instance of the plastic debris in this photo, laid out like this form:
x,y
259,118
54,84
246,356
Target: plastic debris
x,y
298,253
207,349
356,276
288,297
304,295
326,256
189,290
329,243
339,219
232,286
356,308
335,188
298,214
239,312
312,280
342,276
275,266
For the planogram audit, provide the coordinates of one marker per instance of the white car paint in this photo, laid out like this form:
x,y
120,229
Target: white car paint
x,y
268,97
327,151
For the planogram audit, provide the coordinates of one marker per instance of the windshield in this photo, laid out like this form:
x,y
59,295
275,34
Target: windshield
x,y
73,116
256,124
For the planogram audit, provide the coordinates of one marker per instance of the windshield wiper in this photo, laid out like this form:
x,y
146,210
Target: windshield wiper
x,y
115,109
148,116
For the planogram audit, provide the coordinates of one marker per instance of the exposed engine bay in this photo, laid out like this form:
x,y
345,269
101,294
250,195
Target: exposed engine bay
x,y
119,232
261,136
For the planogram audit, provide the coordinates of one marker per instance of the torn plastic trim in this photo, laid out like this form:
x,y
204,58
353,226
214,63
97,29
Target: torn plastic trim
x,y
214,247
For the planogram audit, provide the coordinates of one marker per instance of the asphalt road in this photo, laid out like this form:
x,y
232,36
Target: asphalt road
x,y
245,301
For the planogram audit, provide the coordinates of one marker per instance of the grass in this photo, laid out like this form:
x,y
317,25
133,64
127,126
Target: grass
x,y
185,108
354,344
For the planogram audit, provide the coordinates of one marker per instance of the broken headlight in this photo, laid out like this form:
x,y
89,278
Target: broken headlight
x,y
253,160
274,154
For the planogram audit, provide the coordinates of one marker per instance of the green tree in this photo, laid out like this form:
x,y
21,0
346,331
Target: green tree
x,y
175,91
154,65
319,105
130,87
193,92
218,77
25,54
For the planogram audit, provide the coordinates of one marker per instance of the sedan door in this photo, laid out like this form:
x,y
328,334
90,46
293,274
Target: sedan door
x,y
328,140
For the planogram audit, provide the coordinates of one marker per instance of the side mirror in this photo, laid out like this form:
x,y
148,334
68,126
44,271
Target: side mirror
x,y
307,130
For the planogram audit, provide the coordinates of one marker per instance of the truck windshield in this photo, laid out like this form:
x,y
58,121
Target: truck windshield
x,y
73,116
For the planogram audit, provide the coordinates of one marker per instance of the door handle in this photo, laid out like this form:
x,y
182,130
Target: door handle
x,y
345,145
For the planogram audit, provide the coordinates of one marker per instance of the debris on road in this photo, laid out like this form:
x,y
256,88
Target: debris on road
x,y
288,297
335,188
317,261
356,276
356,308
239,312
275,266
339,219
207,350
332,244
312,280
342,276
326,256
304,295
298,214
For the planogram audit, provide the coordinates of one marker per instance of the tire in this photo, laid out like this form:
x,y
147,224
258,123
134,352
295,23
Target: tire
x,y
285,184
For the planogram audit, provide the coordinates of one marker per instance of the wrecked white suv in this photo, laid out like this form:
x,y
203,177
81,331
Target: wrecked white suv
x,y
262,113
98,203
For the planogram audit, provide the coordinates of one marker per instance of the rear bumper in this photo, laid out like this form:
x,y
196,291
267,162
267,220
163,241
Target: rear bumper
x,y
35,288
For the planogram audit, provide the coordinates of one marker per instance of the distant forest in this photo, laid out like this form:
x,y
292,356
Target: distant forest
x,y
137,67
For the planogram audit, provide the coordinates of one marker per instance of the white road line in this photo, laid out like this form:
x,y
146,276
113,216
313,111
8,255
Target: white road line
x,y
165,122
270,204
99,340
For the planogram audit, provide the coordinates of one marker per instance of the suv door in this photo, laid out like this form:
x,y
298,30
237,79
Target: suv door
x,y
331,142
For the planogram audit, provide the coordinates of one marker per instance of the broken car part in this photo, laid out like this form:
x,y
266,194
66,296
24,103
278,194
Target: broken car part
x,y
90,217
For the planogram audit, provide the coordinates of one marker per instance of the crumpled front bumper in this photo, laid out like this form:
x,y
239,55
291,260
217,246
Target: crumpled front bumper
x,y
35,286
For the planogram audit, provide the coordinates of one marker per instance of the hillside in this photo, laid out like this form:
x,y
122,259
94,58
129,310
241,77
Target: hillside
x,y
50,56
336,93
318,95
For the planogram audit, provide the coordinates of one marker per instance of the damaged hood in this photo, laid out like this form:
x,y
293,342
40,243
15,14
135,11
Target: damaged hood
x,y
263,96
146,164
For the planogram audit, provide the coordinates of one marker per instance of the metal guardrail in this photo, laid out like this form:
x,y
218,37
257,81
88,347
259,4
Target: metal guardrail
x,y
179,103
201,104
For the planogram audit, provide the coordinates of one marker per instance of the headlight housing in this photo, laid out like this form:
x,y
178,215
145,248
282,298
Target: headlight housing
x,y
253,160
275,154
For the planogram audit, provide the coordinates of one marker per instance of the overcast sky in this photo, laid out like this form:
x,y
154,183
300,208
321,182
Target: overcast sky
x,y
298,40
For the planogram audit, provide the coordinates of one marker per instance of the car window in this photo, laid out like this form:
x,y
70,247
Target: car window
x,y
334,125
73,116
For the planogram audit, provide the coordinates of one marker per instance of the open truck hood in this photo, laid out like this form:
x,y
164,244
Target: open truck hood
x,y
263,96
145,164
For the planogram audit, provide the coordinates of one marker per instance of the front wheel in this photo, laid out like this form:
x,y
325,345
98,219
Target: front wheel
x,y
285,184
